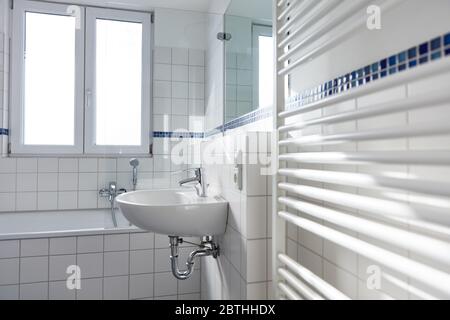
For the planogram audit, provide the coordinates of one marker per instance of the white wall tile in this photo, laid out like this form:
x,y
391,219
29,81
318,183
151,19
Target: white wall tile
x,y
196,74
63,245
9,292
34,269
68,181
162,106
161,123
88,165
9,249
34,291
196,91
88,244
7,202
162,55
141,286
47,200
47,165
107,165
254,183
115,288
172,297
196,57
26,201
47,182
139,241
341,280
9,271
161,241
58,291
244,93
180,73
87,199
196,107
91,265
26,165
58,266
91,289
68,165
257,291
179,123
162,261
190,297
256,214
162,89
180,90
67,200
244,77
8,182
180,56
116,263
180,106
141,261
161,163
87,181
256,260
117,242
26,182
165,284
34,247
162,72
8,165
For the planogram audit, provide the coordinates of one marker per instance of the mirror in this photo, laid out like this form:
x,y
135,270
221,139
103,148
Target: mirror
x,y
249,57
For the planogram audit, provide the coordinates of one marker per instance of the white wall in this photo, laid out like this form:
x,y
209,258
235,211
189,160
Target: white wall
x,y
243,268
180,29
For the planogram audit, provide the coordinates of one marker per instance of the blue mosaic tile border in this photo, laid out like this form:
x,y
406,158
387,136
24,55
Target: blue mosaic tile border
x,y
156,134
184,135
248,118
214,131
432,50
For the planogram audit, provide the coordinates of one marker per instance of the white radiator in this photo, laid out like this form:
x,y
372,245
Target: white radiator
x,y
413,213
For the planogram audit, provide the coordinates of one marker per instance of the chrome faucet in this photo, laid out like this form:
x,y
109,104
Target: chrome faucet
x,y
111,193
201,185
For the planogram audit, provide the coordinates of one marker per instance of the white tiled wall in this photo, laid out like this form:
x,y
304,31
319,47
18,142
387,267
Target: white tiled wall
x,y
239,85
178,89
116,266
243,269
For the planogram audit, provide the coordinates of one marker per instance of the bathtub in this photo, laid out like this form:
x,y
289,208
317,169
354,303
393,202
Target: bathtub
x,y
26,225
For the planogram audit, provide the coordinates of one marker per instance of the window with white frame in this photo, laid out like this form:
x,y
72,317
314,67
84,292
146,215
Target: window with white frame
x,y
263,66
81,80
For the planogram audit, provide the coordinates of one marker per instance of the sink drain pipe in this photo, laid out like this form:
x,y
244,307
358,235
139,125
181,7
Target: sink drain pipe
x,y
207,248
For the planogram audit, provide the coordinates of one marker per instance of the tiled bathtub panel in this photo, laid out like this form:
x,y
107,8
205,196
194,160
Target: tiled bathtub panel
x,y
40,271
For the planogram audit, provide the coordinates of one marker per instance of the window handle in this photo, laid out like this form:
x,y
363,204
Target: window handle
x,y
88,98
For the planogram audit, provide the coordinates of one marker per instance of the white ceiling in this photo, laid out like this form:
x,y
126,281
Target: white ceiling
x,y
211,6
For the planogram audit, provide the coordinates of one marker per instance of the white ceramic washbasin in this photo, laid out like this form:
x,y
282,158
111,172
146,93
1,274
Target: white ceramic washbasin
x,y
176,212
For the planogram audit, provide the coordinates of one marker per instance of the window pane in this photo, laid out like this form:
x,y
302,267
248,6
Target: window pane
x,y
266,71
118,83
49,100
